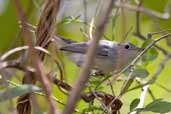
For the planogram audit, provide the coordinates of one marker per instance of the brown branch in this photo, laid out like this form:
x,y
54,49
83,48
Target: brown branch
x,y
25,107
21,15
87,97
90,96
47,87
46,26
15,64
45,31
84,73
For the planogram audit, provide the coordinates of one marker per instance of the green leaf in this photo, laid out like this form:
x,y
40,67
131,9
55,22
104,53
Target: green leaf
x,y
134,103
129,83
158,106
17,91
147,42
141,73
138,72
150,55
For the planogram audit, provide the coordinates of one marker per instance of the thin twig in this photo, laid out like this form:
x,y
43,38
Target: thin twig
x,y
18,49
140,36
47,87
126,84
16,63
151,94
44,32
85,71
150,12
158,32
155,75
21,15
149,46
163,87
40,93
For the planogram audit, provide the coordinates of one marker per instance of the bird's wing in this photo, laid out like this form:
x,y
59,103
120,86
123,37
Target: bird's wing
x,y
82,48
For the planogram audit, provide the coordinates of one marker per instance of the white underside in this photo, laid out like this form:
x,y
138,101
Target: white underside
x,y
103,63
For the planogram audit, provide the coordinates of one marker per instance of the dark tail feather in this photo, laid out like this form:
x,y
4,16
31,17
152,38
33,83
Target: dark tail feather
x,y
63,40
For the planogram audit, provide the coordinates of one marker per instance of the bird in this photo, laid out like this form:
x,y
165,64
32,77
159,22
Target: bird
x,y
110,56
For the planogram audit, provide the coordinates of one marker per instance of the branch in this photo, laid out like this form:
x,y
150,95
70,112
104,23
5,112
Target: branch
x,y
158,71
103,97
84,73
18,49
126,84
149,46
25,107
45,30
140,36
90,96
150,12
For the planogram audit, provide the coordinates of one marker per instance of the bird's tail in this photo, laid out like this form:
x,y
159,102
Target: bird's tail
x,y
61,41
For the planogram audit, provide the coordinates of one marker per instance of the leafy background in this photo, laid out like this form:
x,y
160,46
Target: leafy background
x,y
69,24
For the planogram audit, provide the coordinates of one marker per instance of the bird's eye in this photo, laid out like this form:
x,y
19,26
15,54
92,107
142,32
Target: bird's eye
x,y
127,46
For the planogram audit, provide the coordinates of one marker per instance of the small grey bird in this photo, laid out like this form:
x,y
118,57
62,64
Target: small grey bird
x,y
110,56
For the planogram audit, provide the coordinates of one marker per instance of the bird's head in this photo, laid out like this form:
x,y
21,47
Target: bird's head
x,y
127,52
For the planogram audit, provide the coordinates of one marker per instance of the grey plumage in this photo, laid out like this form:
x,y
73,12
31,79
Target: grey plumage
x,y
110,56
102,50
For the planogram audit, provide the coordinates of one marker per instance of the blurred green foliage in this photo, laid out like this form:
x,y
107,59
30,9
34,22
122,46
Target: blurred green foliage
x,y
10,93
